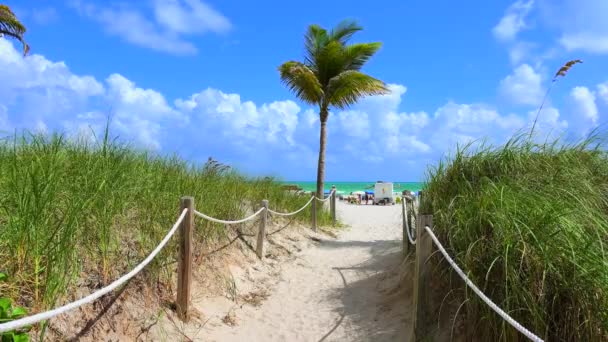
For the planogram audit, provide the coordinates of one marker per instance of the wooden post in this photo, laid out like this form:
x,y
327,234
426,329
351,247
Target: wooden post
x,y
184,275
333,205
406,241
262,230
314,213
422,312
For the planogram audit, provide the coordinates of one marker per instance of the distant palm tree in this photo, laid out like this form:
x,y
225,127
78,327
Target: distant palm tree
x,y
330,76
12,27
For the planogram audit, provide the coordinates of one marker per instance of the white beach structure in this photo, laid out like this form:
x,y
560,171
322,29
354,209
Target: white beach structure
x,y
383,193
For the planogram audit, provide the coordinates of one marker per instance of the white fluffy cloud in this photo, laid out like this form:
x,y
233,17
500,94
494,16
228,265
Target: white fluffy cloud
x,y
189,16
355,123
602,91
549,124
585,41
274,122
42,95
173,19
584,103
513,21
582,23
456,123
520,51
523,86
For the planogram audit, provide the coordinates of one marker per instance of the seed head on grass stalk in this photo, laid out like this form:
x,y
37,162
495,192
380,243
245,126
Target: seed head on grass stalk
x,y
561,72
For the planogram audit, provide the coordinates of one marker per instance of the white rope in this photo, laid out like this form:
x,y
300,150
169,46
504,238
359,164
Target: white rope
x,y
407,227
43,316
328,197
293,213
488,301
212,219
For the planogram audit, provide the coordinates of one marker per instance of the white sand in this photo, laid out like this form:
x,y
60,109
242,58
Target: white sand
x,y
339,290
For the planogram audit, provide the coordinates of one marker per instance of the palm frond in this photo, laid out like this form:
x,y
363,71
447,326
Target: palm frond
x,y
344,31
348,87
12,27
315,40
329,62
356,55
302,81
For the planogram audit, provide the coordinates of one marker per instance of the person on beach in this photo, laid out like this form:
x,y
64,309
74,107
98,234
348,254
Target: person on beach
x,y
365,198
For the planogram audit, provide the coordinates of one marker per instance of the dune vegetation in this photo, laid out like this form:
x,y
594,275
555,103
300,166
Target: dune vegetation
x,y
529,223
73,212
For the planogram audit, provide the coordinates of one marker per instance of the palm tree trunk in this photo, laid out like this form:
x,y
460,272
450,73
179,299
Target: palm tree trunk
x,y
322,145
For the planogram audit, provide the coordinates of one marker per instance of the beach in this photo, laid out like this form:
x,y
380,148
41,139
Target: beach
x,y
348,187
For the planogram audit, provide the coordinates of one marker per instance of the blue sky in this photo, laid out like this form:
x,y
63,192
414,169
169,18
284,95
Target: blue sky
x,y
199,78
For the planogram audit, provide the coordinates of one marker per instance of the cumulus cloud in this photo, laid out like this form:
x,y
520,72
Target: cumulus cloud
x,y
355,123
602,91
549,124
520,51
260,138
582,23
523,86
189,16
513,21
584,102
172,19
274,122
585,41
456,123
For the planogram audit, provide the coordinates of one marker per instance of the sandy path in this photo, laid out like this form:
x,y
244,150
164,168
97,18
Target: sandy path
x,y
339,290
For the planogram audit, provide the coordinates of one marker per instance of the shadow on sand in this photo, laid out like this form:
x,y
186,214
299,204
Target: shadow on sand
x,y
373,296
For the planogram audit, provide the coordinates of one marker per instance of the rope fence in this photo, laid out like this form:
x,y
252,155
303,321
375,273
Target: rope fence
x,y
292,213
184,223
407,224
213,219
43,316
481,295
423,244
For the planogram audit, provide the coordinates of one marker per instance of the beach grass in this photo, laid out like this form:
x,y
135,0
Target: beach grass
x,y
528,222
74,212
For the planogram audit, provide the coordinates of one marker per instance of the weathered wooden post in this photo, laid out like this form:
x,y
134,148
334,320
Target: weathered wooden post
x,y
262,230
333,205
184,267
314,212
406,241
422,311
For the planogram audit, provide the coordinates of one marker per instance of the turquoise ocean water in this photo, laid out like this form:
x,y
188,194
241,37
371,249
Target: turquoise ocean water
x,y
348,187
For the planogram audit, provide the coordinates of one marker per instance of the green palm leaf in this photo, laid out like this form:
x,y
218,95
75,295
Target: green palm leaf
x,y
301,80
344,31
348,87
12,27
356,55
315,40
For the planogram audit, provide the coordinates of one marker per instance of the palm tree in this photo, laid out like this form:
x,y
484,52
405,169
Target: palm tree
x,y
330,76
12,27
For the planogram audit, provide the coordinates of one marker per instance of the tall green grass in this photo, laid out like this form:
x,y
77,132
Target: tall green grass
x,y
529,223
72,210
